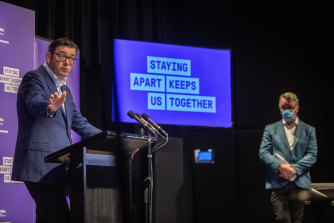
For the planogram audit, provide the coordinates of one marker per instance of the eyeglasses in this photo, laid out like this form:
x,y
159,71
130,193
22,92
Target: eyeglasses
x,y
63,57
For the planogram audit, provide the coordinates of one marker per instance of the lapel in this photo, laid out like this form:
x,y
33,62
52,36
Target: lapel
x,y
65,88
66,112
67,117
283,135
49,82
298,135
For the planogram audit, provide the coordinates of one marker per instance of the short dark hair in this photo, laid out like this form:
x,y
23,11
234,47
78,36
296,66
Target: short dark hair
x,y
289,96
62,42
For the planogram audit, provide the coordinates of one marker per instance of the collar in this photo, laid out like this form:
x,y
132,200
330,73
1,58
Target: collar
x,y
292,125
59,83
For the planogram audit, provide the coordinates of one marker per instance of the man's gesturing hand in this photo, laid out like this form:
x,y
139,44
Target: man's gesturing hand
x,y
56,101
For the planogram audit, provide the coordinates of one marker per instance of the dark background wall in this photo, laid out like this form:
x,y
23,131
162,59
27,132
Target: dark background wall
x,y
276,47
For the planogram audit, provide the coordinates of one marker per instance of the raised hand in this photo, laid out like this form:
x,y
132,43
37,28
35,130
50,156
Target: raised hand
x,y
56,101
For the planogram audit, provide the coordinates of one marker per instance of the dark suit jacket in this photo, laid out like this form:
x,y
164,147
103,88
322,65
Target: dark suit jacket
x,y
39,135
302,156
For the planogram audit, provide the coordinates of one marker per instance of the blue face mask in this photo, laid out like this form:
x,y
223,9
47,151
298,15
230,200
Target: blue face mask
x,y
288,115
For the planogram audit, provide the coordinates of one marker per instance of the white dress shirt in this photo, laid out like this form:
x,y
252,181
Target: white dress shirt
x,y
290,131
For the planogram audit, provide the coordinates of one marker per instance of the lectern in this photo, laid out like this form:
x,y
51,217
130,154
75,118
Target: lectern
x,y
95,165
320,203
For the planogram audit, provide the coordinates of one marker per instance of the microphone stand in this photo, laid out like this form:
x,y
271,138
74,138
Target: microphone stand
x,y
148,182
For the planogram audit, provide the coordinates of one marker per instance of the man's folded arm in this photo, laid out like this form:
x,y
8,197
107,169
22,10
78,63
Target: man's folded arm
x,y
266,151
303,165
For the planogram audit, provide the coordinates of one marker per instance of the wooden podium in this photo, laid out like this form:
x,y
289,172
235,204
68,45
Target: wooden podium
x,y
97,192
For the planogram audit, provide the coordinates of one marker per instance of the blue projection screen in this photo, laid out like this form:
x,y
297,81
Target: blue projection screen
x,y
173,84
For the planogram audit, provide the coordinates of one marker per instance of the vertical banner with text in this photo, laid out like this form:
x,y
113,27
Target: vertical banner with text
x,y
17,30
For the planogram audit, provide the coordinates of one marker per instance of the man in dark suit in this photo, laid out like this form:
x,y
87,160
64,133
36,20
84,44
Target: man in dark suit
x,y
46,114
288,149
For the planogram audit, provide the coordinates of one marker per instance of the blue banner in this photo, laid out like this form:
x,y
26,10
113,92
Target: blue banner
x,y
177,85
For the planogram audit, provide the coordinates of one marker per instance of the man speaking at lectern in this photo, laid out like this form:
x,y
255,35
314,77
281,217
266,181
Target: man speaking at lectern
x,y
288,149
46,114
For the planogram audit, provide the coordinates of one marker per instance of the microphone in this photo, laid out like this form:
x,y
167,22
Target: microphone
x,y
156,126
140,120
148,124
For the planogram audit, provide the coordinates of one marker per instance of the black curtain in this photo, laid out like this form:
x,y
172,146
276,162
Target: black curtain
x,y
92,25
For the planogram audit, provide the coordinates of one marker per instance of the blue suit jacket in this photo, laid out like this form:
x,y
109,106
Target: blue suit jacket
x,y
39,135
302,157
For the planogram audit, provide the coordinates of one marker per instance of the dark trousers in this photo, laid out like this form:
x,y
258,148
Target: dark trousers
x,y
288,205
51,204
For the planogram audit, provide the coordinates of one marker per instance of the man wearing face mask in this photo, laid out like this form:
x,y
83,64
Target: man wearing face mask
x,y
288,149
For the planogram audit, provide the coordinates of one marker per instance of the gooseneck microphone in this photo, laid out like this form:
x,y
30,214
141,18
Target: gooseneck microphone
x,y
156,126
141,121
148,124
